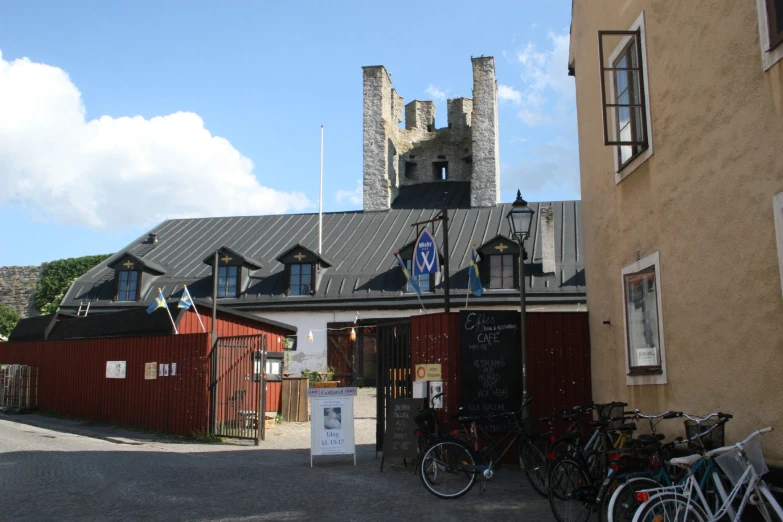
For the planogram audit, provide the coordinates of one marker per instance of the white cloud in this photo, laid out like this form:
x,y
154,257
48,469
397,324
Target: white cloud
x,y
436,93
354,196
507,93
549,91
116,172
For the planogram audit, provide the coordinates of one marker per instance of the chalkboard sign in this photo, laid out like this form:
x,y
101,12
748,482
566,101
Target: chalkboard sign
x,y
399,440
490,373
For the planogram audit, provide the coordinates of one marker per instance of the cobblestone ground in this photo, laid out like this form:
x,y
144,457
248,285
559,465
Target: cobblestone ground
x,y
50,475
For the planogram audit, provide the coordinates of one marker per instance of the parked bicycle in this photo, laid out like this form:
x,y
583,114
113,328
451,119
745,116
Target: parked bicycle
x,y
743,463
450,466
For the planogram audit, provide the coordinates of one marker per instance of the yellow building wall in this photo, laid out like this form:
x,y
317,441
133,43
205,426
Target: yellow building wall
x,y
703,200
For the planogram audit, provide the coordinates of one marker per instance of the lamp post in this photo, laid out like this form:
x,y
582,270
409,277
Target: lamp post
x,y
519,219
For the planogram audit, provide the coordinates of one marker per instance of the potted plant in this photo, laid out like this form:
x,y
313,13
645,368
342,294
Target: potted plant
x,y
326,379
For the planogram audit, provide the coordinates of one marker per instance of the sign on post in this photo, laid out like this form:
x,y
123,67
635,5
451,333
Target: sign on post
x,y
425,255
489,363
331,422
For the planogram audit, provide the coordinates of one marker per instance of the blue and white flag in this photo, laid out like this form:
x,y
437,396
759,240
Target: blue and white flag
x,y
412,280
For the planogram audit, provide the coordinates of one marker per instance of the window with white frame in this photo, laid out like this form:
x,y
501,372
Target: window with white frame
x,y
644,347
777,205
770,16
624,95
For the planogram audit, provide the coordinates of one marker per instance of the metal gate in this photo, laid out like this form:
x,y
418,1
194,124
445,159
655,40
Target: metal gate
x,y
236,389
393,341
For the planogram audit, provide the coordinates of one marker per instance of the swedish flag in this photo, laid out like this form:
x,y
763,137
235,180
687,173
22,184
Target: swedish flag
x,y
185,301
159,302
412,280
473,273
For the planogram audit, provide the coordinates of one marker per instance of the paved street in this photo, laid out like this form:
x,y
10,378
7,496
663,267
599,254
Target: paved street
x,y
51,475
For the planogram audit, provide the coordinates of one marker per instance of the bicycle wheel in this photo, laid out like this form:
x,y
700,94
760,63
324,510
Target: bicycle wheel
x,y
446,469
533,462
571,491
623,504
670,507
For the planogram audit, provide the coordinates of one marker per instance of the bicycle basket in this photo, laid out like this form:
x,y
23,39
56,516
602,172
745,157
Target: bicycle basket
x,y
713,439
733,465
425,420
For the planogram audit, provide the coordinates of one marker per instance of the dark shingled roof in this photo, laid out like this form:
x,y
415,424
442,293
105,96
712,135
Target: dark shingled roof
x,y
132,322
33,328
360,247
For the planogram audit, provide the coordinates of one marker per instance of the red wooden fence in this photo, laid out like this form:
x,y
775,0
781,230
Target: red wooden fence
x,y
72,380
558,345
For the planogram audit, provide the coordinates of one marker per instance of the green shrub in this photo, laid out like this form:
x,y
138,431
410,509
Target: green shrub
x,y
57,277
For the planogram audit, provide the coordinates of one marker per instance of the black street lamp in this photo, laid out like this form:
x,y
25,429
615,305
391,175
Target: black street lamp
x,y
519,219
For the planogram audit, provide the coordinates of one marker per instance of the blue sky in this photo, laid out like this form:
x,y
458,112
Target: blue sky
x,y
117,115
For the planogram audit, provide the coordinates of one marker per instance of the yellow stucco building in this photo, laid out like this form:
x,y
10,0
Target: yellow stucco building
x,y
680,113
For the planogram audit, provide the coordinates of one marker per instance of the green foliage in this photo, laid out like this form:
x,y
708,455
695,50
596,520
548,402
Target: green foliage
x,y
326,374
57,276
8,319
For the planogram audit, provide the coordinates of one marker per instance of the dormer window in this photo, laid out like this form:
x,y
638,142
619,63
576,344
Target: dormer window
x,y
499,264
232,280
301,279
127,285
302,267
133,275
227,281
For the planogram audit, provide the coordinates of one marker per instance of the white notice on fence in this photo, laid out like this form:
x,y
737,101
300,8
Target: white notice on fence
x,y
115,369
165,370
173,368
331,422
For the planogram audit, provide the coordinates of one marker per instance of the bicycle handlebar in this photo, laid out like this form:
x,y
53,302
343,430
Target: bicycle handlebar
x,y
725,449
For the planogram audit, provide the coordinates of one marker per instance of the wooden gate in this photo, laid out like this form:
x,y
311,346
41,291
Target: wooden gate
x,y
236,386
354,361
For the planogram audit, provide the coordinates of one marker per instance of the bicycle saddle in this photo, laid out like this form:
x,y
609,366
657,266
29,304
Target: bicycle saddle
x,y
626,427
645,439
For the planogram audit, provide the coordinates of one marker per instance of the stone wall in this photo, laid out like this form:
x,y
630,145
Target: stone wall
x,y
418,152
17,288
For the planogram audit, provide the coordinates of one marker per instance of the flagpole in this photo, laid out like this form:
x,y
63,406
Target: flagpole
x,y
166,304
470,276
214,297
321,195
194,308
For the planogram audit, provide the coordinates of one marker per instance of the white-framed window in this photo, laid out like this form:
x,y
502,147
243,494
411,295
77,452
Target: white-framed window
x,y
777,206
645,354
770,15
625,96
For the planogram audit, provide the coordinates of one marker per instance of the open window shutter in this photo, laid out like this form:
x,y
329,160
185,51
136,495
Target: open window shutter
x,y
138,285
116,284
775,20
633,77
517,259
287,279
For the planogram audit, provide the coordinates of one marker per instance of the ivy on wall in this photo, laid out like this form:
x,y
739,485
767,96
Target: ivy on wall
x,y
8,319
57,277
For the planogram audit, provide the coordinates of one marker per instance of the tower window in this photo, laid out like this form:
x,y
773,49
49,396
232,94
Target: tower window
x,y
440,170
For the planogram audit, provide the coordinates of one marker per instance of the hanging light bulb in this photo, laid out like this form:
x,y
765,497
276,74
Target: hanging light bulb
x,y
310,336
353,334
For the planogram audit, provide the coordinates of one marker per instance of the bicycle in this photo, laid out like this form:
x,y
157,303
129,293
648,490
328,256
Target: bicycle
x,y
743,463
450,467
623,503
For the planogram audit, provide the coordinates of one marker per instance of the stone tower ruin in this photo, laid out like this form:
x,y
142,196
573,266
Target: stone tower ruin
x,y
465,150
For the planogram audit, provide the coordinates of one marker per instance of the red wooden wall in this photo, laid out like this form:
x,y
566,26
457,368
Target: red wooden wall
x,y
72,380
558,345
